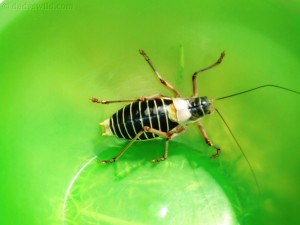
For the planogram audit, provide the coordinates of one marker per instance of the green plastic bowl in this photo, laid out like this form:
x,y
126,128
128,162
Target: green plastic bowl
x,y
55,55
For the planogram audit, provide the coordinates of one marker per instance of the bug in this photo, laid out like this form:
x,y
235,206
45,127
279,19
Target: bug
x,y
156,116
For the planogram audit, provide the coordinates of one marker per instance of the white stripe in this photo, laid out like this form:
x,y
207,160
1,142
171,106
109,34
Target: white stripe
x,y
158,116
119,124
125,125
141,119
150,118
132,119
113,126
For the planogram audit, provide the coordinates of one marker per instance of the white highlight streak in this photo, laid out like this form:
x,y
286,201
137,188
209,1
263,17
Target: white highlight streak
x,y
163,212
71,185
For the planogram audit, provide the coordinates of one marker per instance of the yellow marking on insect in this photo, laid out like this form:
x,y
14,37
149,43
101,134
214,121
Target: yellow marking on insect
x,y
106,131
172,112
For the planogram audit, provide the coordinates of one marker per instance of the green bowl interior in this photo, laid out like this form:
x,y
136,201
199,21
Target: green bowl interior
x,y
54,59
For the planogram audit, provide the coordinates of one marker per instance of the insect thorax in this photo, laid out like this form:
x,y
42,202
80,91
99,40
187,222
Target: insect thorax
x,y
189,110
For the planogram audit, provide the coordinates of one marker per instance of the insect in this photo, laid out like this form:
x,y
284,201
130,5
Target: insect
x,y
156,116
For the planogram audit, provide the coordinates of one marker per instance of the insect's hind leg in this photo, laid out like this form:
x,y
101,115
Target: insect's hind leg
x,y
101,101
146,129
163,81
142,98
166,135
123,150
208,142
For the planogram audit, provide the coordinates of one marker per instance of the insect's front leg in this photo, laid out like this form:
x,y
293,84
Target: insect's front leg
x,y
218,150
195,91
142,98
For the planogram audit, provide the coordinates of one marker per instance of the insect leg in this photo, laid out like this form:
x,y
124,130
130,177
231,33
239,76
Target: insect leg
x,y
165,155
96,100
146,129
208,141
163,81
142,98
195,91
168,136
161,134
123,150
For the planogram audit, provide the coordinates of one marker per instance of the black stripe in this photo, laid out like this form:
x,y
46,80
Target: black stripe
x,y
151,116
126,119
111,126
121,124
161,115
158,116
131,110
139,114
162,110
115,125
145,119
135,122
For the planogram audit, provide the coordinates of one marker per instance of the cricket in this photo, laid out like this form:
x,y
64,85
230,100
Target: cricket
x,y
159,116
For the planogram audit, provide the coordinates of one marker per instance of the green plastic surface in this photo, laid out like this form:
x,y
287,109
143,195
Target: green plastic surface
x,y
55,55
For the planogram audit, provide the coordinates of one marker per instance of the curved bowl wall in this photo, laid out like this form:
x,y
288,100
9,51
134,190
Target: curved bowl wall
x,y
55,55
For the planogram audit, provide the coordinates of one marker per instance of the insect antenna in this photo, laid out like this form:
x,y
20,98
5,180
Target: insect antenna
x,y
253,89
241,150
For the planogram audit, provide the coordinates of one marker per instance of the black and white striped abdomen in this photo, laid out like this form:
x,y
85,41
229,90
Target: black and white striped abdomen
x,y
130,120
